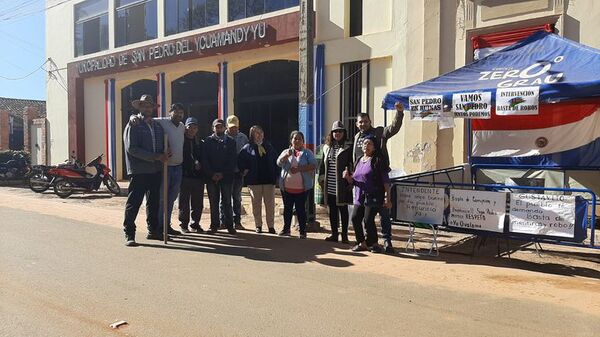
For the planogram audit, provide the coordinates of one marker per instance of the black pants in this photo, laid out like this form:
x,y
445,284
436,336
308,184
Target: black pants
x,y
291,200
368,214
191,191
142,185
219,197
335,212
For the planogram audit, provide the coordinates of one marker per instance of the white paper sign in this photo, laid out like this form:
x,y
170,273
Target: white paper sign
x,y
420,204
478,210
476,105
542,214
426,107
517,101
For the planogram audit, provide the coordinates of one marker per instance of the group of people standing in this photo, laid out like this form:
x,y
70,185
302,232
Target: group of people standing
x,y
227,159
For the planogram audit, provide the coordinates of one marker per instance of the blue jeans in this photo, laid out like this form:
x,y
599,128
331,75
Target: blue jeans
x,y
219,197
236,195
386,223
174,177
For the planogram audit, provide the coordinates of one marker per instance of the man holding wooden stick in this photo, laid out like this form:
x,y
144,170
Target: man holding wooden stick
x,y
144,157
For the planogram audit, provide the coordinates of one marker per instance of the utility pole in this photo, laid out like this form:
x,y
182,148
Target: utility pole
x,y
306,92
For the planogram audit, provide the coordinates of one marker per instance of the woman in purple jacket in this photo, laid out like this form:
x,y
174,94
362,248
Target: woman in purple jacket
x,y
371,192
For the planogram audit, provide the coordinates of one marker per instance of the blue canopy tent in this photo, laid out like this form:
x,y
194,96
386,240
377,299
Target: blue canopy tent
x,y
565,132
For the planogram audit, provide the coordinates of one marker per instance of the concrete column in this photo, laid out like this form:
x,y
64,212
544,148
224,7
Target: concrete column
x,y
111,24
223,12
422,62
160,16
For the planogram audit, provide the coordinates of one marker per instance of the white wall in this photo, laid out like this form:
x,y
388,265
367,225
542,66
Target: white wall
x,y
59,47
94,118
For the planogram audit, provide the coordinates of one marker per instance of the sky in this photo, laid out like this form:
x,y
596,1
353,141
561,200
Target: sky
x,y
22,32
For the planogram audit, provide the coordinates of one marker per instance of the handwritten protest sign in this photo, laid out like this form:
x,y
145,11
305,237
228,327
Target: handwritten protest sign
x,y
420,204
479,210
542,214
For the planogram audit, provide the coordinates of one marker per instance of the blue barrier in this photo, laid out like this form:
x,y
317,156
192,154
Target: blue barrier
x,y
582,205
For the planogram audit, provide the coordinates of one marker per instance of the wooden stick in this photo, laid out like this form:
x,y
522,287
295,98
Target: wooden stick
x,y
165,191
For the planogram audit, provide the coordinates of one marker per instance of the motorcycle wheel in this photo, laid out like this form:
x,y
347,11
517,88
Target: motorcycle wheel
x,y
112,185
39,183
63,189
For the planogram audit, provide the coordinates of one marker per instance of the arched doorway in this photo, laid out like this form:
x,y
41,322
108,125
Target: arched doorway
x,y
198,91
128,94
266,94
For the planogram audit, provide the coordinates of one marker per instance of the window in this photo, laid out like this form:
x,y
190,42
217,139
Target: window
x,y
91,27
356,17
184,15
135,21
241,9
354,93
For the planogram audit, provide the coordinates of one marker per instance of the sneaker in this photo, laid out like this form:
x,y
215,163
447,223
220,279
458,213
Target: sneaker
x,y
302,236
332,238
231,231
171,231
239,226
361,247
154,236
388,248
213,229
284,233
184,229
196,228
258,230
272,231
376,248
131,243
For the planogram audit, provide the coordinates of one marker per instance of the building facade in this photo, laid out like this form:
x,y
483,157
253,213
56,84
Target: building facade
x,y
23,127
224,57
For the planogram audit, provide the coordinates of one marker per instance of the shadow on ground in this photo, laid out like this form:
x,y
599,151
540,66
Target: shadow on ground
x,y
265,247
495,253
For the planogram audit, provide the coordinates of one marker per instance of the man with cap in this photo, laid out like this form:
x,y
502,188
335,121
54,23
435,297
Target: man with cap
x,y
381,135
175,131
192,184
219,163
144,155
233,131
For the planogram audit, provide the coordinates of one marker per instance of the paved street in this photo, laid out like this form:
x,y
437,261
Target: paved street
x,y
63,277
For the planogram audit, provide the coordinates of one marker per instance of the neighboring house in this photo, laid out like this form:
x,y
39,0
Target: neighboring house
x,y
23,127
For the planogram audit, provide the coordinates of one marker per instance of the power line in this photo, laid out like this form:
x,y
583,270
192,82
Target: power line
x,y
24,14
25,76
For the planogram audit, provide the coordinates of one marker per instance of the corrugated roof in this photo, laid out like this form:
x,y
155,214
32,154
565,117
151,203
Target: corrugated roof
x,y
17,106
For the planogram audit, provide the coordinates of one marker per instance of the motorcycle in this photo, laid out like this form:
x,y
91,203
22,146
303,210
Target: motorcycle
x,y
69,180
15,169
41,180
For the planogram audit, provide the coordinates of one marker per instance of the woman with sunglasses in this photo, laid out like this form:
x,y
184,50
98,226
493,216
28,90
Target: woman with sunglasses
x,y
337,156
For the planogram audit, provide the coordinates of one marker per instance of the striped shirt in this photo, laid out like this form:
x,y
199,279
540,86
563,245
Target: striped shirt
x,y
332,169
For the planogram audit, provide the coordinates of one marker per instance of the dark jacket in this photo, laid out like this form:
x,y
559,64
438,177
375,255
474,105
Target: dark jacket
x,y
248,160
343,160
192,154
219,156
381,133
140,154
